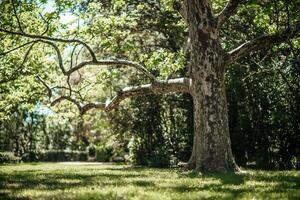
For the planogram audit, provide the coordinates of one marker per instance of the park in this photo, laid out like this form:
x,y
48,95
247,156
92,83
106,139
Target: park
x,y
149,99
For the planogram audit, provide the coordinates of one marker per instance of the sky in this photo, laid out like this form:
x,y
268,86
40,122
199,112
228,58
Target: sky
x,y
65,18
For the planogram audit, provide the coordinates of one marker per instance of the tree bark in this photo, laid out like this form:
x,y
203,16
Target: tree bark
x,y
212,148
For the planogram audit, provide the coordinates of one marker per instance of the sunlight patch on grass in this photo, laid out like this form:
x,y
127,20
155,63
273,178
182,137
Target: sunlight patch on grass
x,y
107,181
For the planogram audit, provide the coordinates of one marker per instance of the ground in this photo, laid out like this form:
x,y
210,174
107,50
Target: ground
x,y
108,181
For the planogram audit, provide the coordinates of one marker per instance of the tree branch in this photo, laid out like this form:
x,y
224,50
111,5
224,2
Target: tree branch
x,y
229,10
47,24
113,62
51,39
20,67
181,8
49,90
94,61
16,15
262,42
16,48
159,87
62,98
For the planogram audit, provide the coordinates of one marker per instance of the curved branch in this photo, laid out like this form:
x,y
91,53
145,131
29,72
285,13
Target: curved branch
x,y
229,10
49,90
59,56
113,62
71,56
19,47
94,61
160,87
51,39
58,53
62,98
89,106
20,68
262,42
47,24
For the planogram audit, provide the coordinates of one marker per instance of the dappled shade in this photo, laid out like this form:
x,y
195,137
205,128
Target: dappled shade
x,y
103,181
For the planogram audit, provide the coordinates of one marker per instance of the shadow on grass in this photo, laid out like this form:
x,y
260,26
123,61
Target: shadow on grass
x,y
264,181
7,196
145,178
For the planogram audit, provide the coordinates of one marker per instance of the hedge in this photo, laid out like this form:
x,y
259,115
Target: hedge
x,y
104,153
62,155
8,157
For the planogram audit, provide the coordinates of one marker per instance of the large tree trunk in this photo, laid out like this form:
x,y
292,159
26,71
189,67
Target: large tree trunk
x,y
212,149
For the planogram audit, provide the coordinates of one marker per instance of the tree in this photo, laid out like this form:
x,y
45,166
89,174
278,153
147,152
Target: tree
x,y
208,63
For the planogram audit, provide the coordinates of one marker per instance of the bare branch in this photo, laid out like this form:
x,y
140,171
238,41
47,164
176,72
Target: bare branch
x,y
229,10
160,87
89,106
262,42
50,91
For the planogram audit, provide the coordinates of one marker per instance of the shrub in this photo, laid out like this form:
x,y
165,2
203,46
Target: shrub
x,y
104,153
30,156
92,150
82,156
63,155
140,155
8,157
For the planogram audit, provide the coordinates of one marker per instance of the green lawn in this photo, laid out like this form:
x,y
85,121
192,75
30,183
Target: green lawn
x,y
98,181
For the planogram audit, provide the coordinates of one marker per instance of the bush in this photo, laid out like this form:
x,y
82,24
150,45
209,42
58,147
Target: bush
x,y
92,150
8,157
63,155
104,153
139,155
30,157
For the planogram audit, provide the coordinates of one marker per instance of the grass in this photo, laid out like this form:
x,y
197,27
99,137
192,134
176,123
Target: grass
x,y
106,181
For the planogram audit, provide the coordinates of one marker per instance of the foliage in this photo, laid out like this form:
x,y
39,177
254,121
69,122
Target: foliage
x,y
263,91
104,153
158,157
62,156
83,181
262,112
30,131
8,157
30,156
91,150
